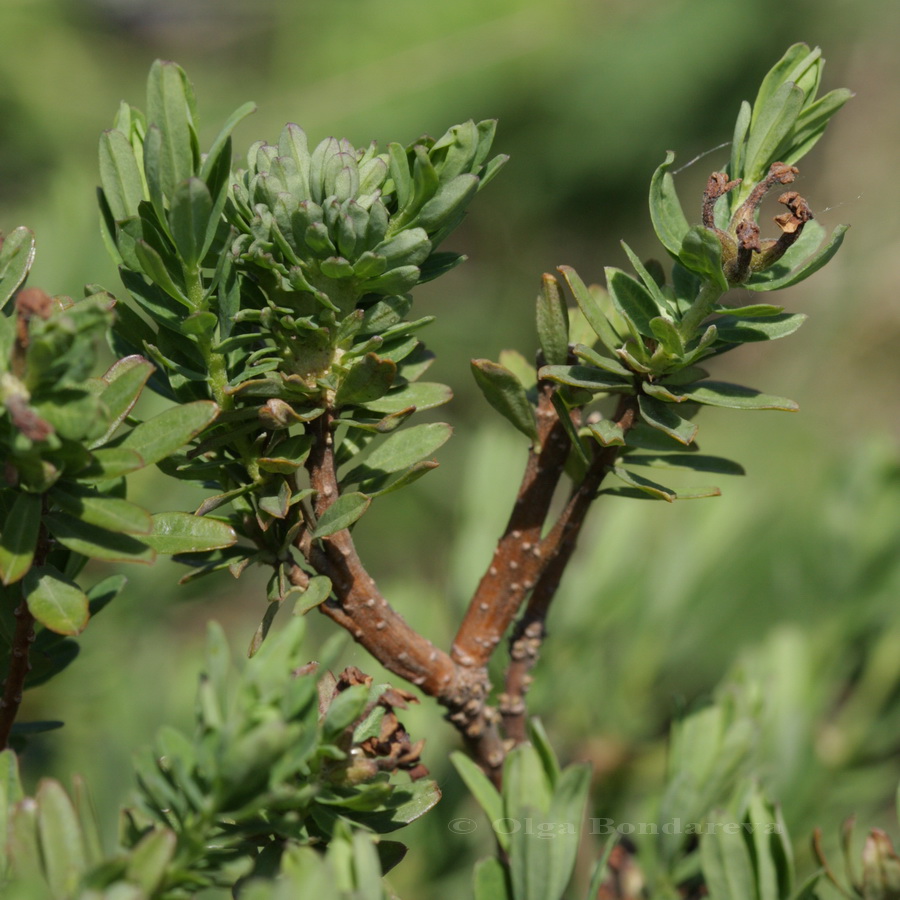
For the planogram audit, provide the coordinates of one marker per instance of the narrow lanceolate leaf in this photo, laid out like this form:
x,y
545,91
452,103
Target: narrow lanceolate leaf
x,y
419,395
632,300
341,514
164,434
769,128
666,213
402,449
666,332
18,537
812,265
587,378
124,382
16,257
189,214
490,880
155,269
119,174
370,378
482,789
568,803
701,253
57,603
608,434
149,860
696,461
727,867
111,513
644,484
650,283
553,322
733,396
112,462
663,417
740,330
167,108
590,308
506,394
61,838
180,532
317,592
97,543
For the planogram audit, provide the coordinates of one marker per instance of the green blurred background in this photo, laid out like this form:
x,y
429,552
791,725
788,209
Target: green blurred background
x,y
790,582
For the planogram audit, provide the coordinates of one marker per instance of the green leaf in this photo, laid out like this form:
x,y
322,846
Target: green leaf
x,y
406,806
632,300
181,532
97,543
666,213
16,257
586,378
752,311
667,333
644,484
650,283
602,362
727,866
553,322
55,601
482,789
740,330
341,514
421,395
733,396
664,418
400,450
162,435
769,128
124,382
153,266
149,860
490,880
506,394
19,535
112,462
608,433
317,592
759,281
120,176
189,214
369,379
590,308
567,808
701,253
696,461
110,513
168,109
61,839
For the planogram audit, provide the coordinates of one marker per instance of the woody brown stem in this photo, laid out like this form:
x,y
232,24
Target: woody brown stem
x,y
359,606
557,547
19,662
518,561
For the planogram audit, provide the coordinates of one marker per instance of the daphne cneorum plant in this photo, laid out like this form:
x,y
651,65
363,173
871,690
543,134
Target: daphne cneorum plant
x,y
271,303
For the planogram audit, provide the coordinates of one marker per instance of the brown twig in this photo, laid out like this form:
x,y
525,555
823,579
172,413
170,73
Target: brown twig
x,y
19,662
517,562
557,548
360,608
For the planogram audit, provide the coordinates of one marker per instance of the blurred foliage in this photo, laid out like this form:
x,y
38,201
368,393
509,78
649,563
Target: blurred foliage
x,y
789,582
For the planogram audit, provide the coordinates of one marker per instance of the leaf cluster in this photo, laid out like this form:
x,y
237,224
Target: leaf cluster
x,y
649,337
277,770
280,292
